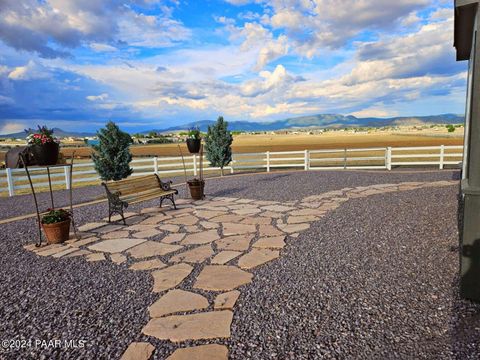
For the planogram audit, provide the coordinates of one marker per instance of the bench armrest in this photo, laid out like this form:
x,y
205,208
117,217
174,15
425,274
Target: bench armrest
x,y
165,185
114,197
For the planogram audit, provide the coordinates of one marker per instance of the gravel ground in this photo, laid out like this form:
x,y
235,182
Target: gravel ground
x,y
23,204
373,279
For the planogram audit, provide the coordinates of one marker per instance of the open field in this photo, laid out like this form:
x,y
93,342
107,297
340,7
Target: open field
x,y
296,142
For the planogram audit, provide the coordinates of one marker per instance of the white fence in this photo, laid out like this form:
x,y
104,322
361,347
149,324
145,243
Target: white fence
x,y
15,180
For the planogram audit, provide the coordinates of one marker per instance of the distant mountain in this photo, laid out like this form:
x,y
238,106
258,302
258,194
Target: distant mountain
x,y
325,121
56,131
333,121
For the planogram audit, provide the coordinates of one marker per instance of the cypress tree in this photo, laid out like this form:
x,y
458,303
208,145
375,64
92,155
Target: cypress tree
x,y
218,144
112,155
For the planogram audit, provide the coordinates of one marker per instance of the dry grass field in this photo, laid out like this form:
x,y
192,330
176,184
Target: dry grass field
x,y
295,142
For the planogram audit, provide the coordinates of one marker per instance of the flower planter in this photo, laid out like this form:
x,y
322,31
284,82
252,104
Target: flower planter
x,y
197,188
194,145
57,232
45,154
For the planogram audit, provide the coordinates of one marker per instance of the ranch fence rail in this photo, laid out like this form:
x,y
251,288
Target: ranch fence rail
x,y
13,181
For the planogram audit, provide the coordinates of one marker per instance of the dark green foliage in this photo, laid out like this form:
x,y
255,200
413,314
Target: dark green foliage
x,y
112,155
450,128
218,144
55,216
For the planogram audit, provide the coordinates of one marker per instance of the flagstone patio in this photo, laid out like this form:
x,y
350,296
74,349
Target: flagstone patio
x,y
214,244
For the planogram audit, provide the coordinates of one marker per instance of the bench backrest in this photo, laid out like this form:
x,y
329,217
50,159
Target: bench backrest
x,y
134,185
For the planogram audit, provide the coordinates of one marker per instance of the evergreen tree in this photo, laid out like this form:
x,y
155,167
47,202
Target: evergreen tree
x,y
112,155
218,144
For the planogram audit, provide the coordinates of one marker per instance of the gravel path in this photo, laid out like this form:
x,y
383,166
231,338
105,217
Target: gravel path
x,y
373,279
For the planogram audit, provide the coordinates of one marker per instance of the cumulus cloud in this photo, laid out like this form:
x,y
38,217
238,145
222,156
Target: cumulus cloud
x,y
52,27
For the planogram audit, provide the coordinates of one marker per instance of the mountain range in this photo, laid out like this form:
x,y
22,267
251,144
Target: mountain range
x,y
333,121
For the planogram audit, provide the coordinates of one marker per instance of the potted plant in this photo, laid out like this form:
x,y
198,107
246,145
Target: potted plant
x,y
43,146
194,140
56,225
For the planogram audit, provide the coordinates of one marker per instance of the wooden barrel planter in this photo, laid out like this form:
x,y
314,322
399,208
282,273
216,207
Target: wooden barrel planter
x,y
196,188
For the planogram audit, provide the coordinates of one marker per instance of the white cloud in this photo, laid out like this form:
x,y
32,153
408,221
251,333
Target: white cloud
x,y
101,97
30,71
98,47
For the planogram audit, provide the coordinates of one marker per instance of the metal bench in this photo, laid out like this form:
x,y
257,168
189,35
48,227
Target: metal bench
x,y
134,190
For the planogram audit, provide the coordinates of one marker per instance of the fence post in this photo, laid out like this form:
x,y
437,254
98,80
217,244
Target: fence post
x,y
442,156
11,190
388,158
268,161
307,160
194,164
66,171
155,165
231,164
345,158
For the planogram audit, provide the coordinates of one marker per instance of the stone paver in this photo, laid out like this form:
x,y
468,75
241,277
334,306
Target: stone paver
x,y
209,225
226,300
147,233
204,237
275,242
64,252
148,265
152,248
293,228
269,230
228,218
173,238
95,257
177,301
108,228
49,250
201,352
238,229
91,226
257,257
301,219
176,328
115,246
138,351
169,227
118,258
116,234
278,208
196,255
183,220
221,278
236,243
259,220
170,277
78,253
225,256
84,242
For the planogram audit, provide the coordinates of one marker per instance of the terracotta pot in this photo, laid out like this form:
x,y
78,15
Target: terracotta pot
x,y
57,232
194,145
196,189
45,154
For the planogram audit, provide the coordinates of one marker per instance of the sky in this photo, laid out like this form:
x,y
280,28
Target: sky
x,y
149,64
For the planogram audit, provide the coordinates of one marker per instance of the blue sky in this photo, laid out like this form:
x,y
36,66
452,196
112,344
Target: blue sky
x,y
153,64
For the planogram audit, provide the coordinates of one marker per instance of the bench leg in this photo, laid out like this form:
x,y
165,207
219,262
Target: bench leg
x,y
169,197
